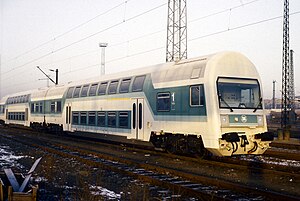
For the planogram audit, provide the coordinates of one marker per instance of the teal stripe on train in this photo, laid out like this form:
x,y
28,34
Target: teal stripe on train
x,y
181,104
242,119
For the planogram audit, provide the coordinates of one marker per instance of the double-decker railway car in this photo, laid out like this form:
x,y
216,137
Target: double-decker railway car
x,y
211,103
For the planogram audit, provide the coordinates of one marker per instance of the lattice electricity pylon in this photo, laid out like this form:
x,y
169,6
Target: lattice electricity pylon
x,y
291,84
177,31
285,102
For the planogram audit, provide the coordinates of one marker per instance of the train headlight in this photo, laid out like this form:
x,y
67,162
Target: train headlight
x,y
260,120
224,120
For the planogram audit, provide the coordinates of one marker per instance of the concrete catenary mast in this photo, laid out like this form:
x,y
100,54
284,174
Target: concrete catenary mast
x,y
274,96
177,31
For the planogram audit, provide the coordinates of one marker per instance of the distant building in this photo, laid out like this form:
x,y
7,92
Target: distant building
x,y
269,102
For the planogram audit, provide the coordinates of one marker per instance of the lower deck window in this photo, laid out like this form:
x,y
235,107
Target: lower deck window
x,y
163,102
83,118
55,107
41,107
123,120
18,116
75,118
36,107
58,106
196,96
32,108
52,107
111,121
101,119
92,118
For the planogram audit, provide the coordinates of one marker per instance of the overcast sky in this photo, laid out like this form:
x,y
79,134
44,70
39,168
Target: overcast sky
x,y
65,34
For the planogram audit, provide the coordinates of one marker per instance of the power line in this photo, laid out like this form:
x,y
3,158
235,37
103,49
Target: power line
x,y
68,31
196,38
85,38
113,60
146,35
109,47
222,11
242,26
193,39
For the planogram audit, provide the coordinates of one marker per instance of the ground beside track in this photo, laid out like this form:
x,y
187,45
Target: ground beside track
x,y
255,177
67,179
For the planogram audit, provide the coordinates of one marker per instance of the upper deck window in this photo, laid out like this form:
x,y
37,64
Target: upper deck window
x,y
102,88
93,89
84,90
239,93
70,92
112,89
26,98
2,108
124,88
76,92
138,83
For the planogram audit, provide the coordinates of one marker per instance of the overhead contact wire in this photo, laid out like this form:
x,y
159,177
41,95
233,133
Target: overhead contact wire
x,y
71,44
65,33
159,31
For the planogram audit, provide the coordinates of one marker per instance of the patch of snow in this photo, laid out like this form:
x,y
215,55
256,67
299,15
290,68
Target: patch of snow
x,y
107,194
40,179
8,157
66,187
272,160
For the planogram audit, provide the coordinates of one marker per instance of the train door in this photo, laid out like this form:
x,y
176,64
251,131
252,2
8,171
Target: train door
x,y
137,119
68,116
26,114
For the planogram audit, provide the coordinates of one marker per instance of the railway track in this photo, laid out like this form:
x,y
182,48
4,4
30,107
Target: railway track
x,y
197,185
293,144
241,162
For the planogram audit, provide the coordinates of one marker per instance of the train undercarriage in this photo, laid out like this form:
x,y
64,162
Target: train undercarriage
x,y
47,127
179,144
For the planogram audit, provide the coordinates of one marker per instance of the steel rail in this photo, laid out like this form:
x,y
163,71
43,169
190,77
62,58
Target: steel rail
x,y
186,187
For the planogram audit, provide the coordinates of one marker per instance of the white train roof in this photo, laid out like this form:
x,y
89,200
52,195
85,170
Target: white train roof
x,y
3,100
51,93
168,74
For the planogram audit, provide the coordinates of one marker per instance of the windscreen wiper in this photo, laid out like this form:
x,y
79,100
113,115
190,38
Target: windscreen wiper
x,y
259,104
222,99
